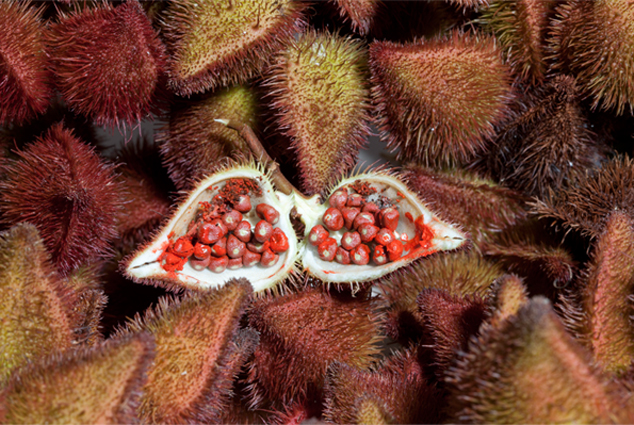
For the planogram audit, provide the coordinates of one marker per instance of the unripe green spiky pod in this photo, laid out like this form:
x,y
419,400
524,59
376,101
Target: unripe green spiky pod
x,y
439,101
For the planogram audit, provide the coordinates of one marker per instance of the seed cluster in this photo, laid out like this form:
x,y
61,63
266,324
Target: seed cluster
x,y
220,241
371,229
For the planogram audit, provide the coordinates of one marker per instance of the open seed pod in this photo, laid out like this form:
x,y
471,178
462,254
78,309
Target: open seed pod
x,y
236,224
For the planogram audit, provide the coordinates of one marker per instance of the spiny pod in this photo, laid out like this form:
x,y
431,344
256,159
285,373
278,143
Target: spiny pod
x,y
373,227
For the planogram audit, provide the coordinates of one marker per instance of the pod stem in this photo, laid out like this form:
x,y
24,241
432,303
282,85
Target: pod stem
x,y
278,178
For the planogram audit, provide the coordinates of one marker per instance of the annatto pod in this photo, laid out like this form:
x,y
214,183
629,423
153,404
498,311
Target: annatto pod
x,y
370,225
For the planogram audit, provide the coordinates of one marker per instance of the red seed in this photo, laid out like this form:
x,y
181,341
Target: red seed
x,y
258,247
232,219
234,263
362,218
333,220
389,218
250,258
243,231
172,259
182,247
378,255
244,204
278,241
371,207
201,251
349,214
354,200
235,247
384,237
268,213
210,233
395,250
219,248
263,231
360,255
199,265
327,249
342,256
338,199
368,232
268,258
350,240
218,265
317,235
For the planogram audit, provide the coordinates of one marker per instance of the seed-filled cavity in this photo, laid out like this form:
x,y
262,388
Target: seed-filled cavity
x,y
228,233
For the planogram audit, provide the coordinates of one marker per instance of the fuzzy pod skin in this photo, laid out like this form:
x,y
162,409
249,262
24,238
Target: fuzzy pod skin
x,y
322,103
439,100
445,236
97,385
75,211
214,44
108,63
146,263
26,88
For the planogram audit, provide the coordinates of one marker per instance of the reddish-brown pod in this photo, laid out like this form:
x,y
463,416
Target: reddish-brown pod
x,y
62,187
108,62
25,89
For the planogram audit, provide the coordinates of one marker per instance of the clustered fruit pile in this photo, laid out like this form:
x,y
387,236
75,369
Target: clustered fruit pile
x,y
240,264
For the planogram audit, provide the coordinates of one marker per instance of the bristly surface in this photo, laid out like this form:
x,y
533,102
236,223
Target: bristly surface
x,y
529,354
460,274
301,334
449,321
480,206
193,145
505,298
318,87
594,41
520,27
604,305
221,43
439,100
97,385
26,89
109,63
62,187
548,145
397,388
196,359
586,206
36,307
360,13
